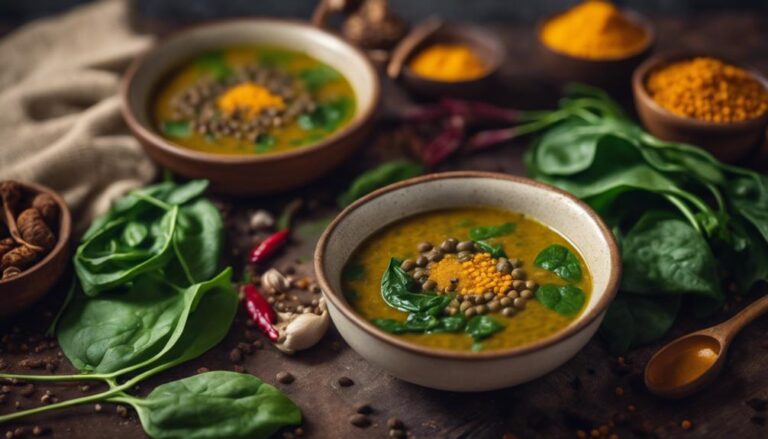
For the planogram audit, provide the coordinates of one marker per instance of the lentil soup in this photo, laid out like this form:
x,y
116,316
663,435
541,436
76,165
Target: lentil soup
x,y
468,279
252,100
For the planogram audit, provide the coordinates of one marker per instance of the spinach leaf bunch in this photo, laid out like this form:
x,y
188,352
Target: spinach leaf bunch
x,y
150,296
425,309
682,218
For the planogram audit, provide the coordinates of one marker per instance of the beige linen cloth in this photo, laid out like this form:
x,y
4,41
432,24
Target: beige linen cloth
x,y
60,122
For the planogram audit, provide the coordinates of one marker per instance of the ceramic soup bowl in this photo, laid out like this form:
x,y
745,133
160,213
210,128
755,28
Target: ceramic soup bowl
x,y
458,370
251,174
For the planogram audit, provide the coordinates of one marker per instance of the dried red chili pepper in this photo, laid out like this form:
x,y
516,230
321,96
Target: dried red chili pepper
x,y
268,247
260,311
442,146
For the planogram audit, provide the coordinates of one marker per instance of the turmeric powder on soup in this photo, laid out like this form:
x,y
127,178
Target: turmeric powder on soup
x,y
448,62
708,89
594,29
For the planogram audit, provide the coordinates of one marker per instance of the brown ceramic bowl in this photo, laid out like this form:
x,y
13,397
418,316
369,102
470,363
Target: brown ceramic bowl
x,y
727,141
467,371
612,74
22,291
486,45
251,174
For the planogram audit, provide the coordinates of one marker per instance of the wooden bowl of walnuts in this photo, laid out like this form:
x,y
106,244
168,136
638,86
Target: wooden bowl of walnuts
x,y
35,228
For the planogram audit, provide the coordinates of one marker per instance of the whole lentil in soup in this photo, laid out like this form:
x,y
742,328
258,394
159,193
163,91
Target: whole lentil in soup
x,y
478,279
252,100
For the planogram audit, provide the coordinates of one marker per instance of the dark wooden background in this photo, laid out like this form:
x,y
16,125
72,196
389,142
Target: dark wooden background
x,y
580,395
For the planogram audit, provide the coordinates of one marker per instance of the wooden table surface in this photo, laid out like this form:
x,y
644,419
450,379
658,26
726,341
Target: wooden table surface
x,y
580,395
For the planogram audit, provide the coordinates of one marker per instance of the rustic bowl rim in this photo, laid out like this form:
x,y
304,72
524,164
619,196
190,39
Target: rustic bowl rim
x,y
462,29
632,14
152,137
581,322
642,97
62,237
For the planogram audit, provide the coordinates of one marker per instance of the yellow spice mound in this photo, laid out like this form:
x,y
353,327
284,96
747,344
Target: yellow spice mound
x,y
708,89
448,62
594,29
248,98
476,276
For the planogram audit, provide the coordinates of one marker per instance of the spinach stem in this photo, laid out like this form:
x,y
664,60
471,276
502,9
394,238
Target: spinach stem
x,y
152,200
54,378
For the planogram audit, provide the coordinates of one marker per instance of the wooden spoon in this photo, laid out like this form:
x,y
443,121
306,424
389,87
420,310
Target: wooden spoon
x,y
403,50
686,365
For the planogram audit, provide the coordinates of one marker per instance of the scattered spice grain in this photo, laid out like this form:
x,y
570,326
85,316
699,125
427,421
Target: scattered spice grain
x,y
345,382
686,424
284,377
360,420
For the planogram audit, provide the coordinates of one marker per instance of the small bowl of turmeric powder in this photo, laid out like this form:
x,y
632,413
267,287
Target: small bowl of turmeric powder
x,y
595,43
449,60
703,100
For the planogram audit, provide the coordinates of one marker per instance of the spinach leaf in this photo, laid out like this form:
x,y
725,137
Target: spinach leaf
x,y
664,253
177,129
328,115
422,323
397,291
315,78
105,260
265,142
563,299
487,232
215,405
197,243
126,330
559,260
215,64
481,327
378,177
634,320
496,251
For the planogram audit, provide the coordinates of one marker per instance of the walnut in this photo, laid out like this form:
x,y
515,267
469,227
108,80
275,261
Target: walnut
x,y
34,230
48,208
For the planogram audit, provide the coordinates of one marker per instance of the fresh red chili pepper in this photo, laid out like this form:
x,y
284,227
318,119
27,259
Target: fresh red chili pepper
x,y
261,311
266,248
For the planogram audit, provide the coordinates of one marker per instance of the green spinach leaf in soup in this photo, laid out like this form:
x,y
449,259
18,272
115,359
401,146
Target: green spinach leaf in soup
x,y
215,405
563,299
328,115
397,290
214,64
481,327
177,129
561,261
265,142
487,232
317,77
496,251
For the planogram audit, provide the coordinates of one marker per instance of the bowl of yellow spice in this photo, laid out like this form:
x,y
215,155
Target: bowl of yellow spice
x,y
447,59
703,100
595,43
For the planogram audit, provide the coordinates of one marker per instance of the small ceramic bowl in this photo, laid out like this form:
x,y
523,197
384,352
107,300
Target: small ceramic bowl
x,y
729,142
455,370
612,74
486,45
251,174
22,291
